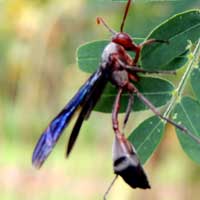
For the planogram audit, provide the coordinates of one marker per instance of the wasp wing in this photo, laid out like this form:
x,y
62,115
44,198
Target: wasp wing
x,y
50,136
86,110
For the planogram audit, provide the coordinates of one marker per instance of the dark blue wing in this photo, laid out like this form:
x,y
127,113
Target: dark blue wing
x,y
50,136
86,110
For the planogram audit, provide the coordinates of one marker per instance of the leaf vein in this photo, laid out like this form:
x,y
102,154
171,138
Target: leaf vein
x,y
151,133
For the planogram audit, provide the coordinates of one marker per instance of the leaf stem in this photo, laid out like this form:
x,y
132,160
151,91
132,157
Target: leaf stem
x,y
179,90
196,54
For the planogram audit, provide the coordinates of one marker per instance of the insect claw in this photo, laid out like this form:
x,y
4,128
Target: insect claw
x,y
162,41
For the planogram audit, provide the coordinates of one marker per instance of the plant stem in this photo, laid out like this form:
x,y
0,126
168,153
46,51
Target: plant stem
x,y
179,90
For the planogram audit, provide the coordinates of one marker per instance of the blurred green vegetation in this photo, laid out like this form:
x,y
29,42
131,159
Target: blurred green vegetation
x,y
38,41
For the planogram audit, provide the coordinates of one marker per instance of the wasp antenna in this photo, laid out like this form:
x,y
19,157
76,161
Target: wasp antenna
x,y
125,15
100,20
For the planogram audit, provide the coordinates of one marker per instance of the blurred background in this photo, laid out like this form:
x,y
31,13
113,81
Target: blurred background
x,y
38,42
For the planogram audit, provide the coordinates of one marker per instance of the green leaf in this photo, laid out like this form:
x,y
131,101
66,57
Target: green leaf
x,y
146,137
195,80
187,112
89,54
156,90
177,30
177,62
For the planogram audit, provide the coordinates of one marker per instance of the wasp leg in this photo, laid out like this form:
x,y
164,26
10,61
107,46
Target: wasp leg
x,y
128,109
131,87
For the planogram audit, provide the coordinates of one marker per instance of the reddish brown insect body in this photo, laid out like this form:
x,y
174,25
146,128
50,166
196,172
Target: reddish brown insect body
x,y
118,67
123,71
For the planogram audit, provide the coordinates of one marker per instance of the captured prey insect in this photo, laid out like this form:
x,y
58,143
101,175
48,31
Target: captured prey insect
x,y
119,68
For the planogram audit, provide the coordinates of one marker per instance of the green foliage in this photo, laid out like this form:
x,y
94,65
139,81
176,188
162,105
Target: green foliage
x,y
178,61
147,136
195,78
187,112
178,30
38,39
89,54
157,90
